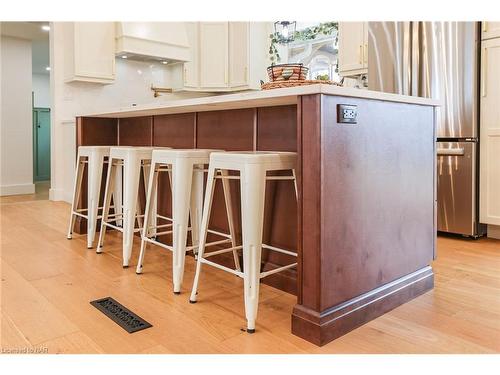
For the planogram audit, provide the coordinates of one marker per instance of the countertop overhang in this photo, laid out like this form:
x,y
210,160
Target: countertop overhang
x,y
264,98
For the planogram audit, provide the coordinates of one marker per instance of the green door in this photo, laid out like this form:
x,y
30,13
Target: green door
x,y
41,144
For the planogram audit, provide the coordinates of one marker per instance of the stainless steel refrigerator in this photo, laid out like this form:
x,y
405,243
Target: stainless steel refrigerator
x,y
438,60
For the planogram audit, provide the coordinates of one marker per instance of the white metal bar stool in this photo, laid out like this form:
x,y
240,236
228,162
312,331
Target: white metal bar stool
x,y
253,168
186,170
131,159
94,157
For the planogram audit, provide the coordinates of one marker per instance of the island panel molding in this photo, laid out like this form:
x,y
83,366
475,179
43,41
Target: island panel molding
x,y
364,225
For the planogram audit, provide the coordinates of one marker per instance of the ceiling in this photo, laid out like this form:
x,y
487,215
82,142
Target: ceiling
x,y
39,38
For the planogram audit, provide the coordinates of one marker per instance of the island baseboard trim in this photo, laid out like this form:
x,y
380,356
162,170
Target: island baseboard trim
x,y
322,327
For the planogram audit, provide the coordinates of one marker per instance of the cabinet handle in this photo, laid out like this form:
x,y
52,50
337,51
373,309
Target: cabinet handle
x,y
361,54
484,62
365,54
185,75
225,77
485,26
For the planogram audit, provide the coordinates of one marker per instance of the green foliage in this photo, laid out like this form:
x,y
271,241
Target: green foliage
x,y
309,33
323,77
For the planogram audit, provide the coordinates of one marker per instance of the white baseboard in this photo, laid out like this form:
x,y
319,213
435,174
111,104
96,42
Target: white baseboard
x,y
17,189
60,195
494,231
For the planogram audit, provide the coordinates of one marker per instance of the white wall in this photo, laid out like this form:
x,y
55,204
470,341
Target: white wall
x,y
16,156
131,86
41,90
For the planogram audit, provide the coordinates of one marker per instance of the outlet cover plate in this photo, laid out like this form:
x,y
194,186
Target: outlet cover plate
x,y
347,114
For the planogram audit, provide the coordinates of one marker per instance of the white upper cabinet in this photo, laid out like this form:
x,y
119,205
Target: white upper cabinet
x,y
191,71
90,52
225,56
490,133
238,53
490,30
353,48
214,53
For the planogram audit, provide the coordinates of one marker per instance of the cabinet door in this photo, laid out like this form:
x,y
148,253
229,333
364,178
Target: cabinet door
x,y
490,30
191,71
213,54
238,53
94,51
490,132
351,47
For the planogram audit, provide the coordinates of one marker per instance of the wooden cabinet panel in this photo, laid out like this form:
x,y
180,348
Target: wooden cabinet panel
x,y
490,30
177,131
388,201
277,128
238,53
135,131
213,54
94,131
227,130
490,133
353,47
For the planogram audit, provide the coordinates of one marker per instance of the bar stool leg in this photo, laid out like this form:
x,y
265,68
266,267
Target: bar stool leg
x,y
229,211
182,170
110,186
138,212
207,207
196,207
117,194
131,177
95,163
151,191
253,182
76,194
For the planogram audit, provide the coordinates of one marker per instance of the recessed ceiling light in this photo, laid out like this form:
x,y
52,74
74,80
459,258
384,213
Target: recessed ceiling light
x,y
164,62
124,56
47,68
45,27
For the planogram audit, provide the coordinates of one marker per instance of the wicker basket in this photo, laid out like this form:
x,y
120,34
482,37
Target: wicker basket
x,y
287,72
281,84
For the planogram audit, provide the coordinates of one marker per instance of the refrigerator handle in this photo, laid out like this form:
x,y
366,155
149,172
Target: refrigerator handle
x,y
484,59
450,151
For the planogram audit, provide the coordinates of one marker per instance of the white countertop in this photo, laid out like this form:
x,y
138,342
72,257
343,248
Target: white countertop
x,y
264,98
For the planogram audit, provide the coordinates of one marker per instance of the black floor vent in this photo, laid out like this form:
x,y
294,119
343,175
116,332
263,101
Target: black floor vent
x,y
122,316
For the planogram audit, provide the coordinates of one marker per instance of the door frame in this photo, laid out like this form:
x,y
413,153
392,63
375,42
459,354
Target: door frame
x,y
35,143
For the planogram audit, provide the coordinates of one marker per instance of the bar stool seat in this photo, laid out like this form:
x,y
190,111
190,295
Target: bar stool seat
x,y
94,157
132,160
253,168
186,169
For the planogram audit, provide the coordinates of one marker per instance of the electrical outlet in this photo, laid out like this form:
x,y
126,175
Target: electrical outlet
x,y
347,113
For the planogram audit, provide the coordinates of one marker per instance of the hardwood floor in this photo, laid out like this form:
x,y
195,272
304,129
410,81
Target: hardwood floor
x,y
48,281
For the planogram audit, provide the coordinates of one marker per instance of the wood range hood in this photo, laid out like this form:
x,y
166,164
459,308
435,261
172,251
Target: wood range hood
x,y
162,41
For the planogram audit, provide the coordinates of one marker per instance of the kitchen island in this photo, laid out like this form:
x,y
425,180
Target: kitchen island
x,y
364,226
